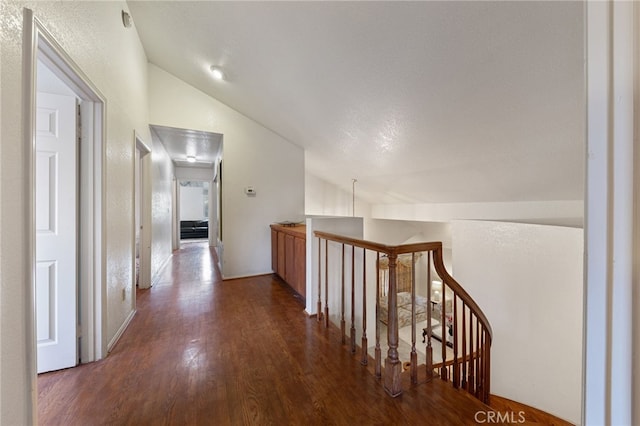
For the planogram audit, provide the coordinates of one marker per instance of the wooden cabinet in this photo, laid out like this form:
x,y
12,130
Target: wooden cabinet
x,y
300,265
288,255
274,250
280,265
289,261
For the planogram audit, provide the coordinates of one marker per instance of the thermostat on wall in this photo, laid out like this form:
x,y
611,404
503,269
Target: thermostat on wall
x,y
249,190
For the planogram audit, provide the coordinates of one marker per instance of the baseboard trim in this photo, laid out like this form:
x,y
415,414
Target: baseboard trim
x,y
121,331
156,276
239,277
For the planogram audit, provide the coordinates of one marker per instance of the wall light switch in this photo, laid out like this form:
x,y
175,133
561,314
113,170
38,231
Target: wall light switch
x,y
250,191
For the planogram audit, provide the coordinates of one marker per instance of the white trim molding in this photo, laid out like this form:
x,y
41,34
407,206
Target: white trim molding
x,y
609,213
144,201
39,44
121,330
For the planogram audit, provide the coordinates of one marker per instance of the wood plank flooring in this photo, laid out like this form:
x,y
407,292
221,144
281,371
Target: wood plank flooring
x,y
530,415
203,351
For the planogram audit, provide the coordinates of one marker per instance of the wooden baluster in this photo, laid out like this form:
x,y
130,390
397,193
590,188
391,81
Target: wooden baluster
x,y
378,352
343,327
478,372
414,353
429,351
463,339
471,378
487,388
353,300
319,307
482,360
456,365
484,364
365,343
326,283
443,321
392,366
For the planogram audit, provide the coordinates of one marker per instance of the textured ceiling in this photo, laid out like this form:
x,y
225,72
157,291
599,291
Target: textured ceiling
x,y
422,102
180,143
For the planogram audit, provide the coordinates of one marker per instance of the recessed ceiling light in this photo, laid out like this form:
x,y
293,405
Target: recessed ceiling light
x,y
217,73
191,158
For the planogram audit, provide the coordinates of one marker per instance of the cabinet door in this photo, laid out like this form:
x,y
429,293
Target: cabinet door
x,y
301,266
274,250
289,259
281,256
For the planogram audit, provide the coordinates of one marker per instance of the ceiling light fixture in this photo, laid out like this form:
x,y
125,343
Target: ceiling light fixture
x,y
217,73
191,158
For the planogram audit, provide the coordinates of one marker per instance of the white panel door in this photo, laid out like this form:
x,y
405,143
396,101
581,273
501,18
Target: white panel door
x,y
56,232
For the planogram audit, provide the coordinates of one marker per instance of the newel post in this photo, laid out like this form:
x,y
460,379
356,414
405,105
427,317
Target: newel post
x,y
392,365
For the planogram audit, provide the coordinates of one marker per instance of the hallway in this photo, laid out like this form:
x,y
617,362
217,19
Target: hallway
x,y
210,352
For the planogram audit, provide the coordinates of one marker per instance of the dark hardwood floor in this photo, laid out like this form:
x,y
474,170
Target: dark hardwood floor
x,y
203,351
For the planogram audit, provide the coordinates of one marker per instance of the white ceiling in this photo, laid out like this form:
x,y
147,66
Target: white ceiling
x,y
422,102
180,143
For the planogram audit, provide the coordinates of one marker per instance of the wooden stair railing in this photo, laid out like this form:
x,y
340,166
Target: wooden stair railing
x,y
463,331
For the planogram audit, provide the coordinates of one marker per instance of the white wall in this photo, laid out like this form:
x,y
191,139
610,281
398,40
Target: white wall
x,y
528,280
564,213
114,60
195,173
192,203
398,231
322,198
162,175
252,156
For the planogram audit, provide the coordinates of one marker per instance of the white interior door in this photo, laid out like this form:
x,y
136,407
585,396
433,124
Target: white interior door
x,y
56,232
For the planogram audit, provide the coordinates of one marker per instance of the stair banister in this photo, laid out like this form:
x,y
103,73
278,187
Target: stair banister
x,y
392,365
471,370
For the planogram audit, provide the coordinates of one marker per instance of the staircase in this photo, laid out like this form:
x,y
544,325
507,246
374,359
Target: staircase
x,y
369,285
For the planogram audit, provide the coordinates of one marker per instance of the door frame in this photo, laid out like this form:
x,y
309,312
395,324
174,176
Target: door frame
x,y
144,198
175,215
178,183
40,44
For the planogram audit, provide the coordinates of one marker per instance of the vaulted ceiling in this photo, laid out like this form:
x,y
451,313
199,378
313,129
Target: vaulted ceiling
x,y
422,102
